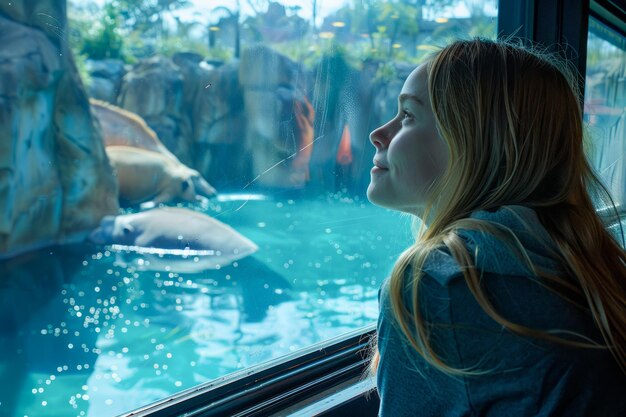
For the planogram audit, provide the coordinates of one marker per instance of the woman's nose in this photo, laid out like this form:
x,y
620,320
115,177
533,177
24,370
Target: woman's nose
x,y
379,137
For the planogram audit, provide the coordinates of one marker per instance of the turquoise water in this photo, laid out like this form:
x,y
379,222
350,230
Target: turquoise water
x,y
90,331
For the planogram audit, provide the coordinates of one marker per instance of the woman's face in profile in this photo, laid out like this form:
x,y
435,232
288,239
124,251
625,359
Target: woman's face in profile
x,y
410,155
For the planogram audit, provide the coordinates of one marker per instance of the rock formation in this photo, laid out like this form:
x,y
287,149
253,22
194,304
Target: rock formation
x,y
215,102
264,120
154,90
106,79
277,138
55,180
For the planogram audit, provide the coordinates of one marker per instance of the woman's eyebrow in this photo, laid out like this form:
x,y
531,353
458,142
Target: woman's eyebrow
x,y
407,96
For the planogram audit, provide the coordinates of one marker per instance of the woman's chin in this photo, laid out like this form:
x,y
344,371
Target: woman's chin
x,y
371,194
374,196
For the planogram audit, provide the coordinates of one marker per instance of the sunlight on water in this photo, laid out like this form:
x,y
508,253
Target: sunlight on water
x,y
241,197
184,253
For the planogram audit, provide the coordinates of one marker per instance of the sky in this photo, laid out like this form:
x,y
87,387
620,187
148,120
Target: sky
x,y
324,8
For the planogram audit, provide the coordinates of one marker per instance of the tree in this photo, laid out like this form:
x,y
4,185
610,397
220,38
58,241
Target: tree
x,y
314,10
258,6
432,6
103,39
146,15
234,17
383,22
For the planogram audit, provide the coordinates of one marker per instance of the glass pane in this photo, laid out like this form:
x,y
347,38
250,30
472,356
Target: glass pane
x,y
605,105
137,109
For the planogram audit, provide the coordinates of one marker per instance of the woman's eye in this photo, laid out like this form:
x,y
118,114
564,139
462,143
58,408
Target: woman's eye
x,y
406,115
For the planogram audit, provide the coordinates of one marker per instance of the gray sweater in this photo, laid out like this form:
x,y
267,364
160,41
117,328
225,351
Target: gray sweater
x,y
531,377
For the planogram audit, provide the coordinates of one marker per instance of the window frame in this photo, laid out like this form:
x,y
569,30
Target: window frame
x,y
275,385
612,13
551,23
315,373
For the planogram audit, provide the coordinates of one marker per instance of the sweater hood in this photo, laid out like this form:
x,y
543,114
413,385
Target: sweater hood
x,y
494,256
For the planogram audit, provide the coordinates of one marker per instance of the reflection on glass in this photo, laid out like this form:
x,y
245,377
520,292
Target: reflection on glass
x,y
182,194
605,105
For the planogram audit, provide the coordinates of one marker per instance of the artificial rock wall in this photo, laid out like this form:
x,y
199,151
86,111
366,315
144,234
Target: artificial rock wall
x,y
55,179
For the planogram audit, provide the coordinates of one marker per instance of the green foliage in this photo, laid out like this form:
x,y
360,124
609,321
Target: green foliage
x,y
81,66
386,72
600,52
310,53
77,27
137,47
392,29
300,50
483,28
103,38
173,44
128,30
146,16
379,30
220,53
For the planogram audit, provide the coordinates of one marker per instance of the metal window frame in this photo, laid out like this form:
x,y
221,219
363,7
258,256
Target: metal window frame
x,y
272,386
561,26
612,13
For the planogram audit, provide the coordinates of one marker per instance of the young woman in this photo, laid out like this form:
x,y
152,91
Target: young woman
x,y
512,300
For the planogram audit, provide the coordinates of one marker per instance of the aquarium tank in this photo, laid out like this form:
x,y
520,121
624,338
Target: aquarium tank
x,y
183,183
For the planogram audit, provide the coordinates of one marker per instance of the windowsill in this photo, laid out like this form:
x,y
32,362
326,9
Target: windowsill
x,y
335,399
328,371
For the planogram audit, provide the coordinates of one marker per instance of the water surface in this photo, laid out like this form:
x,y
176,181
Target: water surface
x,y
92,331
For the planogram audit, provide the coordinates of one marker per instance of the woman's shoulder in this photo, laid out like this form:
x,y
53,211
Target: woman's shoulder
x,y
491,254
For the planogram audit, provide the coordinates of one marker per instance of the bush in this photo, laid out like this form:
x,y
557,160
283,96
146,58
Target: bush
x,y
103,39
173,44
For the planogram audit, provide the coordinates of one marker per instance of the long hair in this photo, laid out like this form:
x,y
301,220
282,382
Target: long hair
x,y
511,116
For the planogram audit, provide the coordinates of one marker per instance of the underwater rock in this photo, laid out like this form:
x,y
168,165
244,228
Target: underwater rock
x,y
185,237
147,176
55,180
33,300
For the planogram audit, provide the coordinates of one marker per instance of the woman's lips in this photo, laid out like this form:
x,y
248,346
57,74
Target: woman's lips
x,y
378,167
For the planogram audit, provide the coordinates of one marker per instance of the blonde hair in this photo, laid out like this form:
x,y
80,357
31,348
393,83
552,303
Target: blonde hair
x,y
511,116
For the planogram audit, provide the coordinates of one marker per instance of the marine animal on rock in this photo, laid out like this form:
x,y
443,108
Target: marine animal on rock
x,y
121,130
148,176
121,127
181,235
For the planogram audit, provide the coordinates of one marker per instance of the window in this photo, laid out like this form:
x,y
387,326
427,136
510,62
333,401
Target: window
x,y
271,103
605,105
